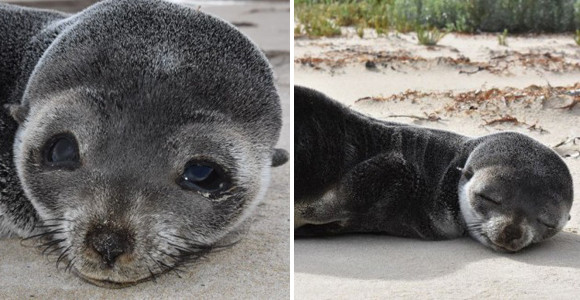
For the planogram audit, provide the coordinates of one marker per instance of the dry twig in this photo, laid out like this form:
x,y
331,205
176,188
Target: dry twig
x,y
428,117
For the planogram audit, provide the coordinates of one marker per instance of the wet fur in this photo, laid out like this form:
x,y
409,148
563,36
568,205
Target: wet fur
x,y
144,86
357,174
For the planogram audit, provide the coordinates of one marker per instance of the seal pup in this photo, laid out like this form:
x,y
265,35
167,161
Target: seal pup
x,y
356,174
143,132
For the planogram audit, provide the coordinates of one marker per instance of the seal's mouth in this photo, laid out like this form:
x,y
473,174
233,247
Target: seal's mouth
x,y
497,247
112,259
476,231
111,283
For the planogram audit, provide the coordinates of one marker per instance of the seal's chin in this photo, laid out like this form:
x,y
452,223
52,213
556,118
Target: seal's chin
x,y
500,248
484,239
117,276
107,283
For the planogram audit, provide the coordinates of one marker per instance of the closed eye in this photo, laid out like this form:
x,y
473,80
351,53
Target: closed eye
x,y
488,199
549,226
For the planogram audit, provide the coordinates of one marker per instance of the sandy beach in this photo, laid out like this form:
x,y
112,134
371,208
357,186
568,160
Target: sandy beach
x,y
467,84
257,267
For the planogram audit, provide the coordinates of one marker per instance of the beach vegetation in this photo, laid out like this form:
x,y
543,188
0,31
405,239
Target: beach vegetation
x,y
502,38
429,37
516,16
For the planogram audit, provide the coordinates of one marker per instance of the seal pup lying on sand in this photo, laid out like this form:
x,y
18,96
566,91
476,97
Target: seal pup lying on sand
x,y
355,174
144,134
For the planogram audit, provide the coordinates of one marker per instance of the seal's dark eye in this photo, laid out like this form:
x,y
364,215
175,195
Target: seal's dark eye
x,y
203,177
62,151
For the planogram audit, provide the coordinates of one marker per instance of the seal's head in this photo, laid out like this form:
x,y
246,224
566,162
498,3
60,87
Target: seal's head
x,y
514,191
146,137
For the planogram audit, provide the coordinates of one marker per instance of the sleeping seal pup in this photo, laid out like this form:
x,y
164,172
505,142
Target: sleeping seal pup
x,y
355,174
143,134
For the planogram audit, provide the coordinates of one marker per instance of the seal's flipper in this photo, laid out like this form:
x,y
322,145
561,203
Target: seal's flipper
x,y
279,157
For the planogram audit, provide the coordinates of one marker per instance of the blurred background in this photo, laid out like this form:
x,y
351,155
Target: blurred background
x,y
325,17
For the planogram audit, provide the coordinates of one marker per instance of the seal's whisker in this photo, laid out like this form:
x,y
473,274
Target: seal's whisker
x,y
170,255
165,266
62,256
177,271
161,268
153,276
186,256
38,235
220,247
192,242
47,225
70,265
51,243
44,234
188,241
190,248
53,250
174,269
58,231
182,238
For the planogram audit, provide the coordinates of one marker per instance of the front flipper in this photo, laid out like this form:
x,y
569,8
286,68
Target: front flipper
x,y
374,196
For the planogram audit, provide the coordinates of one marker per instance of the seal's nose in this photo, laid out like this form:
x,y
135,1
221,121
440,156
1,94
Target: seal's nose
x,y
512,232
109,244
511,237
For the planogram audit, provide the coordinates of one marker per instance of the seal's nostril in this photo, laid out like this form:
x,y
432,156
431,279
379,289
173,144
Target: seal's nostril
x,y
512,232
109,245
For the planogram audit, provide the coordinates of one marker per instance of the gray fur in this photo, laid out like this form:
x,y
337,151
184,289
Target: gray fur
x,y
357,174
144,86
18,30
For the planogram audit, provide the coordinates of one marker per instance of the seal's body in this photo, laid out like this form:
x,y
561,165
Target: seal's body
x,y
357,174
145,134
18,32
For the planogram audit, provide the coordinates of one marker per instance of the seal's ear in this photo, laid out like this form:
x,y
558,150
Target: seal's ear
x,y
279,157
18,112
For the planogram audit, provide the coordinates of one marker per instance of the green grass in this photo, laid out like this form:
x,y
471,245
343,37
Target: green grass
x,y
360,30
358,14
502,38
315,23
429,37
516,16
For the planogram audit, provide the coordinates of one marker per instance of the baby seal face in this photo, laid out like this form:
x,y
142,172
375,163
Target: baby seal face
x,y
514,192
129,195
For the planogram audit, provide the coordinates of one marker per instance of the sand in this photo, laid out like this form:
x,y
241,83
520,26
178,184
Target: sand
x,y
471,85
257,267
